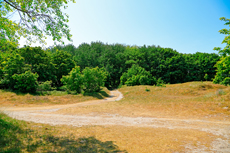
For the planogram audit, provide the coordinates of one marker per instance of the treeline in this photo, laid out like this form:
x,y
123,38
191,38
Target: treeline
x,y
89,66
164,63
31,69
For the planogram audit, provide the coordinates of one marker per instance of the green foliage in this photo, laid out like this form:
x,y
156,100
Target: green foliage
x,y
40,62
146,89
32,13
111,57
1,67
223,66
7,46
223,71
45,86
25,82
93,79
13,64
160,83
136,75
225,51
206,76
115,60
90,80
64,63
199,64
74,80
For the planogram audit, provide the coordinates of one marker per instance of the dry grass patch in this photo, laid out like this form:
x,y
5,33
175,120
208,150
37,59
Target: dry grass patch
x,y
20,136
56,97
130,139
194,100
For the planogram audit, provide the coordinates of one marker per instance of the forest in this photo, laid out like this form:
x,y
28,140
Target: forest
x,y
90,66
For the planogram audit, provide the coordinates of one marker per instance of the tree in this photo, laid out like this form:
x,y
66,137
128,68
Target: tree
x,y
226,50
223,71
25,82
13,64
137,75
37,18
74,80
64,63
40,62
93,79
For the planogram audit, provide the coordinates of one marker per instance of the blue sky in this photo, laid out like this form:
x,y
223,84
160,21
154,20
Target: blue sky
x,y
187,26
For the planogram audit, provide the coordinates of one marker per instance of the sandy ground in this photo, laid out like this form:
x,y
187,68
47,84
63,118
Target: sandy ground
x,y
44,115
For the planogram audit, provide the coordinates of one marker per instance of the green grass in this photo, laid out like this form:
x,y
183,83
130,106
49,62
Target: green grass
x,y
19,136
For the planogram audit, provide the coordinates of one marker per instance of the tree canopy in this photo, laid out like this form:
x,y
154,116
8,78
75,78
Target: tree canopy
x,y
226,50
223,71
37,18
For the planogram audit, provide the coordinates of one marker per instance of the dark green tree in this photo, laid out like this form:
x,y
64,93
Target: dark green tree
x,y
63,63
13,64
40,62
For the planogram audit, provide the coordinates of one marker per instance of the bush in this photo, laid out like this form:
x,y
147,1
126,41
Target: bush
x,y
93,78
160,83
45,86
25,82
74,80
90,80
137,75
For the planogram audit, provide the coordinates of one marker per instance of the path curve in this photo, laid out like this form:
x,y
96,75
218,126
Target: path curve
x,y
44,115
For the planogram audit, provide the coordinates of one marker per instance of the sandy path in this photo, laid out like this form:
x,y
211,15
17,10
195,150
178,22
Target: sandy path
x,y
44,115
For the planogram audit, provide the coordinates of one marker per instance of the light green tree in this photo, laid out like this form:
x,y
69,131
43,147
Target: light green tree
x,y
223,66
37,19
74,80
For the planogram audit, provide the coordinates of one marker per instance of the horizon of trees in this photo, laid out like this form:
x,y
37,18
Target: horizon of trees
x,y
118,62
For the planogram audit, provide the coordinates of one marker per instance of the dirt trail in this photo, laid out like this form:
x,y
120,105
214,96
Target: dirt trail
x,y
44,115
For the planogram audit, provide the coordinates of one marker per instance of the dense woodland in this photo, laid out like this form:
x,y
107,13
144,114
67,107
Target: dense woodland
x,y
89,66
165,63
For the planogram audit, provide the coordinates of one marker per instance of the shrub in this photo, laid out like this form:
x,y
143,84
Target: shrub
x,y
93,78
137,75
25,82
146,89
160,83
45,86
74,80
